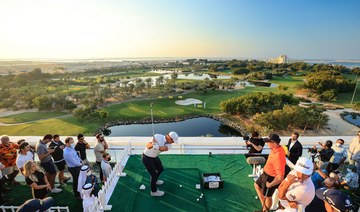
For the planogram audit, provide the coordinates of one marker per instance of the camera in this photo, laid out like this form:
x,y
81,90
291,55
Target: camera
x,y
246,138
312,150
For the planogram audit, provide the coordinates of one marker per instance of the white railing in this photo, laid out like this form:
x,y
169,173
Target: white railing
x,y
104,195
52,209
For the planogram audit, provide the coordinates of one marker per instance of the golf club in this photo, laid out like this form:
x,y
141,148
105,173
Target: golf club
x,y
152,118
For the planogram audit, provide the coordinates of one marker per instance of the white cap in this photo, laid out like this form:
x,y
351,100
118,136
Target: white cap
x,y
174,136
304,165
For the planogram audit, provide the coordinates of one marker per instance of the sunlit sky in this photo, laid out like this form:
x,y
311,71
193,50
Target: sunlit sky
x,y
303,29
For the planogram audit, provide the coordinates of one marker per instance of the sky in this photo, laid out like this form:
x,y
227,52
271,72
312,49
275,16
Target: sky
x,y
252,29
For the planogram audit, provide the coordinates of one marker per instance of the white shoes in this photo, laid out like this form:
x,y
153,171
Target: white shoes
x,y
159,182
157,193
55,190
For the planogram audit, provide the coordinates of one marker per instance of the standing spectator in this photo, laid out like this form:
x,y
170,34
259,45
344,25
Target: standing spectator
x,y
297,188
32,147
274,171
36,179
105,165
8,154
351,179
354,147
339,155
255,143
24,156
81,147
46,162
294,147
73,162
58,156
99,150
159,143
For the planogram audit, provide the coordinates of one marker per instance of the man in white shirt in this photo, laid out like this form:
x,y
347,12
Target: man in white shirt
x,y
152,162
24,156
105,165
297,188
339,155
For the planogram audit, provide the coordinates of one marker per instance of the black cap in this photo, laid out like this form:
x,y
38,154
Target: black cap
x,y
272,138
336,198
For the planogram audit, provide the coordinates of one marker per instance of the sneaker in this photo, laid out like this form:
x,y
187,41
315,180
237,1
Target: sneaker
x,y
55,190
157,193
66,179
159,182
57,185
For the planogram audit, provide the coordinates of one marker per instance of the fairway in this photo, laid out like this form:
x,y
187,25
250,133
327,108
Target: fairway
x,y
176,198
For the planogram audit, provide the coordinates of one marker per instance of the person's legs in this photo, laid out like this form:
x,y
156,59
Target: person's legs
x,y
11,177
159,167
74,171
101,174
150,167
50,172
259,193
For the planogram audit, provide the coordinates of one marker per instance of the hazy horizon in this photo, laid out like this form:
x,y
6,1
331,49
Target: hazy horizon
x,y
95,29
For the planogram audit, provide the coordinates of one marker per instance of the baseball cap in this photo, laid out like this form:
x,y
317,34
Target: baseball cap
x,y
336,198
174,136
304,165
272,138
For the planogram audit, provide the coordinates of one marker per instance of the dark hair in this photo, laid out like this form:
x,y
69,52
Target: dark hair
x,y
254,134
341,140
105,154
328,144
80,136
56,136
20,141
67,140
297,134
48,136
98,135
22,146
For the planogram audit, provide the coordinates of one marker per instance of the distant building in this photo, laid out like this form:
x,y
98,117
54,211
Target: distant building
x,y
279,60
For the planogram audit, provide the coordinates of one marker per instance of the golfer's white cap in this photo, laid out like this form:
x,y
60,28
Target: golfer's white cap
x,y
304,165
174,136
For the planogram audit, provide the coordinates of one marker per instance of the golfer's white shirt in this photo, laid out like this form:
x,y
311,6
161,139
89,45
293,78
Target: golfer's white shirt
x,y
301,193
154,152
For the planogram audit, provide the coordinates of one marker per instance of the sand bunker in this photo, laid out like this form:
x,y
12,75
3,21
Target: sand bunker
x,y
189,101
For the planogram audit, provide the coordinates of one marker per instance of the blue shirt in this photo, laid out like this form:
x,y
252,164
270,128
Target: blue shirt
x,y
317,179
71,157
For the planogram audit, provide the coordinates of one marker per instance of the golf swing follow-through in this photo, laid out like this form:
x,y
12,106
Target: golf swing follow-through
x,y
159,143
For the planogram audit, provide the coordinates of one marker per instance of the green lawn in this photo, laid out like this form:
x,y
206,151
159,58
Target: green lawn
x,y
29,116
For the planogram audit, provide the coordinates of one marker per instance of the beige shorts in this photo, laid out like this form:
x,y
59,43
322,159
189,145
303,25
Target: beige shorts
x,y
9,170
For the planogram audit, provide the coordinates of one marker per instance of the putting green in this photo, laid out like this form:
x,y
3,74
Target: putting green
x,y
176,198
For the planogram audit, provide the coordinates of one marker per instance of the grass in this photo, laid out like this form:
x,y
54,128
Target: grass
x,y
29,116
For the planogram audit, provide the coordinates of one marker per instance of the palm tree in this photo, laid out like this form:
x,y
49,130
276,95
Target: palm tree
x,y
148,82
174,76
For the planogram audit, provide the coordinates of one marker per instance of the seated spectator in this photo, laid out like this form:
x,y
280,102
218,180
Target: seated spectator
x,y
339,155
105,165
326,151
320,175
297,187
335,200
24,156
36,179
351,179
36,205
8,154
256,143
58,157
3,200
81,147
86,177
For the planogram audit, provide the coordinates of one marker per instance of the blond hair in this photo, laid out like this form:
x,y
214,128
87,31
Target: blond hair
x,y
27,170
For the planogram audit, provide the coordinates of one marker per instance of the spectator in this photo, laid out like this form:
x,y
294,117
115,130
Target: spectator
x,y
354,152
58,156
24,156
73,162
99,150
105,165
46,162
32,147
8,156
297,187
351,179
256,143
36,205
274,171
339,155
320,175
36,179
81,147
335,200
86,177
294,150
3,200
325,153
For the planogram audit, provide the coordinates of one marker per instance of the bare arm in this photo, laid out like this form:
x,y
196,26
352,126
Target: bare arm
x,y
258,148
285,184
149,145
163,148
36,186
277,180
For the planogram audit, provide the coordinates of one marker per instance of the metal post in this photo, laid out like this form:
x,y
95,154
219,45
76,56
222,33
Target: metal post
x,y
352,99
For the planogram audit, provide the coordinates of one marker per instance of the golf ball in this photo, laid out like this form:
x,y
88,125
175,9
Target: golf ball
x,y
200,197
197,199
256,197
180,186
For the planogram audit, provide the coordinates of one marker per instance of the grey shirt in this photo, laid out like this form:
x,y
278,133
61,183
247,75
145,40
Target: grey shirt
x,y
42,149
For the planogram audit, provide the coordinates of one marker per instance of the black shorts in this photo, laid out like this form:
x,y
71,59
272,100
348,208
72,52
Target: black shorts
x,y
261,182
60,165
49,167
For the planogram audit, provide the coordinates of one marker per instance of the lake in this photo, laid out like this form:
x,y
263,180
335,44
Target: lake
x,y
355,120
191,127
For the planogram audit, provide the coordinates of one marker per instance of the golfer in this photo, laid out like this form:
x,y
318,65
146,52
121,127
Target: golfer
x,y
274,171
159,143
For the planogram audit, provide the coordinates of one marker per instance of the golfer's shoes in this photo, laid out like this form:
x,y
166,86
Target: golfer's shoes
x,y
157,193
159,182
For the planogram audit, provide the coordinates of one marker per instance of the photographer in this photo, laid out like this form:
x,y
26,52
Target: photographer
x,y
256,143
324,154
